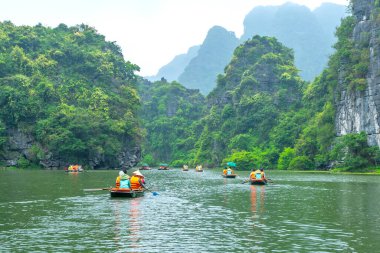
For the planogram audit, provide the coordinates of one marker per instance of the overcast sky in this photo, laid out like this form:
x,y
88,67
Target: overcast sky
x,y
150,32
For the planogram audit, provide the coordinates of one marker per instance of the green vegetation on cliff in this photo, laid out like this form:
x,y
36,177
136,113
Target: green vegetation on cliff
x,y
70,90
169,115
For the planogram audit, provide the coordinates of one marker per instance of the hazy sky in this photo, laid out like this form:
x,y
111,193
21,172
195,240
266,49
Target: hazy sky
x,y
150,32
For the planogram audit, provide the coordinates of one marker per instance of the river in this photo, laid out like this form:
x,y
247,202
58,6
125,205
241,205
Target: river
x,y
49,211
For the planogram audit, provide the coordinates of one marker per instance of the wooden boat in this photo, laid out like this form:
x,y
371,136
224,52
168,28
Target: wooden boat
x,y
199,168
125,193
163,166
74,169
258,181
185,168
229,176
145,167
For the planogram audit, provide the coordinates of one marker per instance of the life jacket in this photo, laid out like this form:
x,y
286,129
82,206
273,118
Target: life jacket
x,y
135,184
125,184
252,175
118,182
225,172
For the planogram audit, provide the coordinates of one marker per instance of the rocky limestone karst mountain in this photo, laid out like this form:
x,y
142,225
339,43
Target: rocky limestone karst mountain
x,y
358,110
309,33
214,54
175,67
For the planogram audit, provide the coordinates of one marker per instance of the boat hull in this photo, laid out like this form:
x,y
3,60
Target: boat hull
x,y
229,176
198,170
258,181
125,193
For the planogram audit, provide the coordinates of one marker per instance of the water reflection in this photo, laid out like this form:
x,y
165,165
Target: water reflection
x,y
134,225
257,198
127,232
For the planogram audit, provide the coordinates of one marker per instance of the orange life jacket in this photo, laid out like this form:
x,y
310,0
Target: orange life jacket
x,y
118,182
135,184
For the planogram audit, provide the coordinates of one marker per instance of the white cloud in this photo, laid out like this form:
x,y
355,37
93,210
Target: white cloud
x,y
150,32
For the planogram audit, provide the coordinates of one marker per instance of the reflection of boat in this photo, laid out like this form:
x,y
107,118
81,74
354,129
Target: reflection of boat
x,y
164,166
145,167
126,193
185,168
229,176
74,168
258,181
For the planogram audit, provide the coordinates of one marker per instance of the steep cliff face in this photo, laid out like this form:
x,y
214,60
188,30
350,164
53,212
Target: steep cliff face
x,y
213,56
358,110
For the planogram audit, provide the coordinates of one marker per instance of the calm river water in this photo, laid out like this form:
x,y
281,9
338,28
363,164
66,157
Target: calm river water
x,y
49,211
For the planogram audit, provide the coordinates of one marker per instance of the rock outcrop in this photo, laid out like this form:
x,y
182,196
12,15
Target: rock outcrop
x,y
359,110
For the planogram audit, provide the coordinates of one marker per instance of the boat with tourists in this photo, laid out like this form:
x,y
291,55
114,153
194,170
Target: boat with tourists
x,y
74,168
229,172
145,166
185,168
199,168
258,177
125,193
163,166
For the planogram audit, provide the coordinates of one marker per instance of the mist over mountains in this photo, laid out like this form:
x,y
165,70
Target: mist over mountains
x,y
309,33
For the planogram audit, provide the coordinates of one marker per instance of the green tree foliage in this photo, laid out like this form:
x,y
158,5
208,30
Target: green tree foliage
x,y
286,157
70,89
352,152
259,86
169,115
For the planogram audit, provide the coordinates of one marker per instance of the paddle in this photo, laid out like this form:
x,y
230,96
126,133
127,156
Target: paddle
x,y
154,193
97,189
245,181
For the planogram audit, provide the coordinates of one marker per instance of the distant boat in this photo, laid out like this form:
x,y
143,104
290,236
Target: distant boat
x,y
164,166
145,167
185,168
199,168
74,168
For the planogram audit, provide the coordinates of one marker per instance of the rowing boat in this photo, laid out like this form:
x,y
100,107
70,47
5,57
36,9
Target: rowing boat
x,y
229,176
126,193
258,181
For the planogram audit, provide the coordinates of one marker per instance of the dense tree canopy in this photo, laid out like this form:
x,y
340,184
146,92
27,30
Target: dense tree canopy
x,y
69,89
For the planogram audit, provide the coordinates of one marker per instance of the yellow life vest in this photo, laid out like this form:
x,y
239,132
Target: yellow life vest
x,y
135,184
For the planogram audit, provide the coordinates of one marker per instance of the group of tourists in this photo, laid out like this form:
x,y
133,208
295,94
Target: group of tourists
x,y
136,182
228,171
257,174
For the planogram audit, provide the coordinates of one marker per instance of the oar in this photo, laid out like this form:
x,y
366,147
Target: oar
x,y
97,189
245,181
154,193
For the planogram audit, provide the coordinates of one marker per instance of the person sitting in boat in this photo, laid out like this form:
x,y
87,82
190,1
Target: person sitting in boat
x,y
253,173
262,173
124,182
137,181
229,171
225,171
118,179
